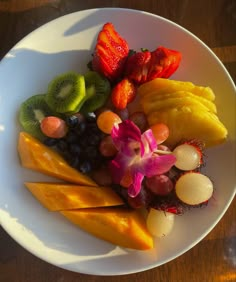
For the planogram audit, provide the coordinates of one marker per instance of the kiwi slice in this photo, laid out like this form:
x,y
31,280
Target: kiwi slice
x,y
32,111
102,91
66,93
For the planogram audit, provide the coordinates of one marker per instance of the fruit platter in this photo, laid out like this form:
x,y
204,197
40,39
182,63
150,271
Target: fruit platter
x,y
118,142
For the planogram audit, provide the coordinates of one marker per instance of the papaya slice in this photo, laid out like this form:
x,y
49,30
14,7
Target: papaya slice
x,y
119,226
37,156
59,196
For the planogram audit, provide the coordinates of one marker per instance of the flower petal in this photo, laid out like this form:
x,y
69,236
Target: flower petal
x,y
149,142
124,133
135,187
136,158
120,164
156,164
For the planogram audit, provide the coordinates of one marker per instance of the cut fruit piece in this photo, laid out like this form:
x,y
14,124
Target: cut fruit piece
x,y
32,112
102,89
194,188
106,120
59,196
190,122
110,53
173,98
162,86
160,223
120,226
54,127
165,104
66,93
36,156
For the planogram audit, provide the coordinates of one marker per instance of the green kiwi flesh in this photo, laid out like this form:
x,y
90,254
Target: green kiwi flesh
x,y
102,91
66,92
31,113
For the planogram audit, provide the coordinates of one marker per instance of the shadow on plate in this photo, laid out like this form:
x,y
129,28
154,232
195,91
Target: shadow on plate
x,y
95,18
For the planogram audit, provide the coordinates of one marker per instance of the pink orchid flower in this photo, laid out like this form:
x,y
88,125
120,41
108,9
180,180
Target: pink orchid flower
x,y
136,158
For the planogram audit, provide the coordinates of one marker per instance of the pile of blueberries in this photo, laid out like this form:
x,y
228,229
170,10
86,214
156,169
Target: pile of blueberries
x,y
80,147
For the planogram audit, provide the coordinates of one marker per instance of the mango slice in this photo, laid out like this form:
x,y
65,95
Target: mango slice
x,y
36,156
163,85
120,226
190,122
58,196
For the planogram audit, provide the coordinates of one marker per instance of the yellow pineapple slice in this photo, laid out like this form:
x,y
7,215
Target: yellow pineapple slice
x,y
190,122
160,86
164,104
175,98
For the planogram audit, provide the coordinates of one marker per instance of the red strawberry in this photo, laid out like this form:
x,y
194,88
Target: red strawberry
x,y
123,93
164,62
145,66
137,66
110,53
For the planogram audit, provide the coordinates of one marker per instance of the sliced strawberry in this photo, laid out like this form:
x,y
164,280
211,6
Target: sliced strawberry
x,y
164,62
110,53
123,93
144,66
137,66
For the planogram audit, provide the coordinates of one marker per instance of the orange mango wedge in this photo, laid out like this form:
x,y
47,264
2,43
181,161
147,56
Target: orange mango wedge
x,y
120,226
37,156
59,196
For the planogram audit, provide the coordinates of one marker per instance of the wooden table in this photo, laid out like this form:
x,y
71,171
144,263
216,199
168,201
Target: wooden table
x,y
214,22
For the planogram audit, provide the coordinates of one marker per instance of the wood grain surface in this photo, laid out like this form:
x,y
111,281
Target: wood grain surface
x,y
214,22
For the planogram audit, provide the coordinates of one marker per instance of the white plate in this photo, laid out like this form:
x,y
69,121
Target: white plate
x,y
66,44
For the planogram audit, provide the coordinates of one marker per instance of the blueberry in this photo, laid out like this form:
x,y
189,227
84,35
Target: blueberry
x,y
62,145
92,127
75,148
81,127
51,141
71,137
74,161
91,118
94,140
91,152
72,121
83,141
85,167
